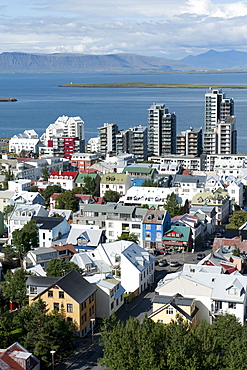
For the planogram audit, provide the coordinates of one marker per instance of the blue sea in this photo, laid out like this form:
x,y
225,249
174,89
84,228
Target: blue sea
x,y
41,101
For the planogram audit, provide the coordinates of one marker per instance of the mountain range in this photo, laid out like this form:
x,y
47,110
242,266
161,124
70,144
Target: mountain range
x,y
120,63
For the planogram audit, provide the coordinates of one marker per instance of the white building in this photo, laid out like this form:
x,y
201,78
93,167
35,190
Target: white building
x,y
19,185
109,294
93,145
51,230
64,126
27,141
215,293
65,179
115,182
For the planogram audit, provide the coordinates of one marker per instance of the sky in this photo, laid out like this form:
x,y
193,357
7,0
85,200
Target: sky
x,y
169,29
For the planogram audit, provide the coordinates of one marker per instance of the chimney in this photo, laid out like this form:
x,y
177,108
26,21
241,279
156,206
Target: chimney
x,y
240,235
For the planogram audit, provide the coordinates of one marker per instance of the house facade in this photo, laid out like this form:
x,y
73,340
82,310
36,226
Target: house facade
x,y
154,225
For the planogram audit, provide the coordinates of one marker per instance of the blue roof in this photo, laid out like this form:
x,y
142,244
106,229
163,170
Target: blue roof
x,y
137,182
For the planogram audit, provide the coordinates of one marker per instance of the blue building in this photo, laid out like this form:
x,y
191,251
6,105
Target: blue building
x,y
155,224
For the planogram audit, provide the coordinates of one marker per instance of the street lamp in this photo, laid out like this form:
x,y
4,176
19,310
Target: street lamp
x,y
52,359
92,324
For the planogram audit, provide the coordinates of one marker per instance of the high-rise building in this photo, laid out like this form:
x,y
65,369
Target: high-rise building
x,y
189,142
107,136
161,130
134,141
218,109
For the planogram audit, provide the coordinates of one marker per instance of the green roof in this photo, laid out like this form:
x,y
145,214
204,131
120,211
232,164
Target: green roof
x,y
208,197
181,230
145,170
81,176
113,178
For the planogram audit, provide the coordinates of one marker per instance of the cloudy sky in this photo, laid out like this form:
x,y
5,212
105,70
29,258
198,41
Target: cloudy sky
x,y
162,28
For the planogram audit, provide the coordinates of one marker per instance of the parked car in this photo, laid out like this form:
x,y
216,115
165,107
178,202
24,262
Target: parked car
x,y
200,256
174,263
163,263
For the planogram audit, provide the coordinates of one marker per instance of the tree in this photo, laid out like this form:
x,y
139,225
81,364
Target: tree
x,y
34,189
49,190
67,200
7,210
9,176
14,286
26,238
22,153
45,173
172,206
237,219
130,237
150,183
89,186
58,267
111,196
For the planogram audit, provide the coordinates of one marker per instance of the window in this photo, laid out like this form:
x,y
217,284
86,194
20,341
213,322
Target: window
x,y
61,294
158,227
158,236
232,291
232,305
69,307
56,306
111,233
91,311
50,293
112,305
148,227
136,226
160,321
110,224
70,320
148,236
33,290
43,235
169,311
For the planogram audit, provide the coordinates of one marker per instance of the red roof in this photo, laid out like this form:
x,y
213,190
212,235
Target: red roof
x,y
64,173
9,358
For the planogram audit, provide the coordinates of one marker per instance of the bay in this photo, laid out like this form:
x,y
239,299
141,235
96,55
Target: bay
x,y
41,101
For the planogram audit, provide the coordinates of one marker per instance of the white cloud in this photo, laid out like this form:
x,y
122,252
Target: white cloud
x,y
161,27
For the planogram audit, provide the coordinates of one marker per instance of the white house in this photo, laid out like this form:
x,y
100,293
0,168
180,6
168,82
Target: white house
x,y
23,213
207,216
116,182
66,179
19,185
51,229
130,263
215,293
109,295
28,197
28,141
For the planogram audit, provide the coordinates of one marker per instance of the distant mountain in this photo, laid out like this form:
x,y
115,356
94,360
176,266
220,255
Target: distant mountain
x,y
212,59
22,62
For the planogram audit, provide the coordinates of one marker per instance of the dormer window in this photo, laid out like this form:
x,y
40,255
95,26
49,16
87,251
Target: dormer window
x,y
232,291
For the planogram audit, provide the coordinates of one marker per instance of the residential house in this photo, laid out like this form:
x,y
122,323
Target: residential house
x,y
82,236
80,180
207,216
218,199
130,263
71,292
16,357
214,293
195,225
27,197
152,196
167,309
65,179
23,213
82,161
109,294
51,229
140,171
115,182
113,218
223,258
5,197
19,185
178,238
154,225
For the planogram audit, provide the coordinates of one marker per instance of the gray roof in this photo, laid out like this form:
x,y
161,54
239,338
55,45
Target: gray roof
x,y
178,299
44,281
189,179
43,250
48,222
76,286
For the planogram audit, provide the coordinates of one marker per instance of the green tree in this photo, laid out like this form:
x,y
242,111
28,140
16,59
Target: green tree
x,y
111,196
45,173
89,186
9,176
22,153
14,286
67,200
150,183
132,237
237,219
172,206
49,190
7,210
58,267
34,189
26,238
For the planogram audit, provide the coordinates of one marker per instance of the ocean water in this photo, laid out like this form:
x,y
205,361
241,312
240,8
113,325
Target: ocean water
x,y
41,101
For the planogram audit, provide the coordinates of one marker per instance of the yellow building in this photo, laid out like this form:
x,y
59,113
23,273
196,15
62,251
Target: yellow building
x,y
167,308
72,293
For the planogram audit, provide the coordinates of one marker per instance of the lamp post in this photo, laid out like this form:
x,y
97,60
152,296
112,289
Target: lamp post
x,y
52,359
92,323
